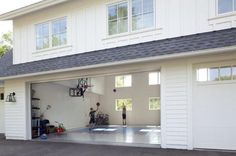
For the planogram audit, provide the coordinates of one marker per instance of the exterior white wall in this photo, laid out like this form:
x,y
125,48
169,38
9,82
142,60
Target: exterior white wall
x,y
15,113
139,93
175,103
72,112
87,26
176,98
2,108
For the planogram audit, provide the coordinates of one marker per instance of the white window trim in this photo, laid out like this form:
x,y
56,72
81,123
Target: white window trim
x,y
50,35
224,14
130,31
149,103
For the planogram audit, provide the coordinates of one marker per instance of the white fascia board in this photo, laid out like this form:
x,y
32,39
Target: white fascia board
x,y
30,8
156,58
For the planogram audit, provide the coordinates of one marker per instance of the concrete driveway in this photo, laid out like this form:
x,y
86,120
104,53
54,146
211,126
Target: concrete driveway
x,y
28,148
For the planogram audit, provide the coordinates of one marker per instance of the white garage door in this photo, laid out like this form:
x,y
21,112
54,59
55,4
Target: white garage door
x,y
214,115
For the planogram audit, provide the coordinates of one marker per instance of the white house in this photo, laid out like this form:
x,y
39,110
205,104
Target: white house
x,y
180,54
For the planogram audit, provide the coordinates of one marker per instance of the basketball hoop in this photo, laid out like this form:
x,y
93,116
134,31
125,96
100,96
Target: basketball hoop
x,y
80,89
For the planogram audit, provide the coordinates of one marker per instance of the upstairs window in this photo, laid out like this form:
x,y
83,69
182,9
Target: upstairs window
x,y
118,18
142,14
226,6
154,78
59,32
51,34
42,36
123,81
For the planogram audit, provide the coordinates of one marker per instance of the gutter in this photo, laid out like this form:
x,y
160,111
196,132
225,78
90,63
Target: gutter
x,y
140,60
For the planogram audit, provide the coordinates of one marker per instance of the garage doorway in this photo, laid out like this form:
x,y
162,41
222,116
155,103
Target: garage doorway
x,y
57,102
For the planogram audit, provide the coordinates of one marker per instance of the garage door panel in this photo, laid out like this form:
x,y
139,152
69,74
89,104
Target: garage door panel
x,y
214,116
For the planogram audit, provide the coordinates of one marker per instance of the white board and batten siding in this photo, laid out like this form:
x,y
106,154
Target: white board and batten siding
x,y
175,105
15,112
87,26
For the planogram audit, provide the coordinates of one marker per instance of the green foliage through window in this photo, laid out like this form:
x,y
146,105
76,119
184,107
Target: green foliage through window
x,y
124,102
154,103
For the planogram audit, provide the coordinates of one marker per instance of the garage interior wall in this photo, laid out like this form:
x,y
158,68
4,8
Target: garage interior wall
x,y
73,111
139,93
2,127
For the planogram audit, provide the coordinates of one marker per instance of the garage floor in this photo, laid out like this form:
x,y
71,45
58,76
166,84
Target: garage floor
x,y
145,136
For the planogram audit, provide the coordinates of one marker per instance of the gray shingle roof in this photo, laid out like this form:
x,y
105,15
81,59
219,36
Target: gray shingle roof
x,y
190,43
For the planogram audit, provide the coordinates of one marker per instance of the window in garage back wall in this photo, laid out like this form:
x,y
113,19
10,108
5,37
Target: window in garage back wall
x,y
120,103
154,78
154,103
123,81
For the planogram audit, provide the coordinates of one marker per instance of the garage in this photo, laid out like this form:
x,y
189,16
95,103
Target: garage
x,y
61,102
214,106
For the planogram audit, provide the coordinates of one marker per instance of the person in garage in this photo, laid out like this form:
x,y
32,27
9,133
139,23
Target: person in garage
x,y
124,114
92,115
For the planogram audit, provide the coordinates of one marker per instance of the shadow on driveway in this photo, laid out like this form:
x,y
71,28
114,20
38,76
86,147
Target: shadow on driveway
x,y
33,148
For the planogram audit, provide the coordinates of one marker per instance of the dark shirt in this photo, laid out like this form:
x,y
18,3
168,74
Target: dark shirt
x,y
92,114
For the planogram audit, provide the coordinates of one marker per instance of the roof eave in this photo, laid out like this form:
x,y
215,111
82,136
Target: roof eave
x,y
30,8
156,58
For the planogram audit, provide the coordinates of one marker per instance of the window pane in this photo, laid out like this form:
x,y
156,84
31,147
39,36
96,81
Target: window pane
x,y
213,74
234,72
42,36
122,25
147,6
154,103
112,27
42,30
202,74
154,78
122,10
148,20
225,6
120,103
123,81
137,22
59,29
127,81
112,12
136,7
225,73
